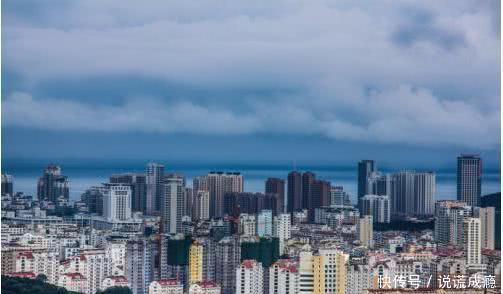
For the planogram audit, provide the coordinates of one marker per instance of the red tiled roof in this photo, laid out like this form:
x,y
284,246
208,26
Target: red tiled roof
x,y
26,254
75,276
23,274
118,279
207,284
169,282
248,263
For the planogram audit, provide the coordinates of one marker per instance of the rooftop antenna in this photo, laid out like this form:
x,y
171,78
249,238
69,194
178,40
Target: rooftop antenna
x,y
294,165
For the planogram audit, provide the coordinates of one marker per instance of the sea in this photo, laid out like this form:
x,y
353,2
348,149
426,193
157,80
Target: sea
x,y
83,174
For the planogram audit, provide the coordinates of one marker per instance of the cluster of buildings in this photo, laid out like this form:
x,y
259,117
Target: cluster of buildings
x,y
155,234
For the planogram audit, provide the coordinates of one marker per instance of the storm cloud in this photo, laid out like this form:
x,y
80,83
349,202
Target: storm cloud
x,y
423,72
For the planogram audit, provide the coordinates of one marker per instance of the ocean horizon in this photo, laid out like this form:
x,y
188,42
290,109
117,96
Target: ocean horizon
x,y
85,174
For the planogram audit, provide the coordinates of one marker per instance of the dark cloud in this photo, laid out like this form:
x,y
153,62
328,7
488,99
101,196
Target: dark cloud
x,y
391,72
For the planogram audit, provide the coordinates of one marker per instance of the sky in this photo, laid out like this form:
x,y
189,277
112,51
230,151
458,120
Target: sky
x,y
409,83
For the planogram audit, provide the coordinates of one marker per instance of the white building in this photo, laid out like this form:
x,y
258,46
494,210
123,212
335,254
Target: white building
x,y
201,209
366,231
376,206
114,281
472,241
282,230
207,287
247,224
169,286
172,205
264,223
486,216
117,202
284,277
75,282
249,278
359,278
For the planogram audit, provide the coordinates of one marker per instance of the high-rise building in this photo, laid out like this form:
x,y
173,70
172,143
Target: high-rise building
x,y
52,185
264,223
284,277
172,206
247,224
93,198
366,231
188,201
7,185
228,252
137,182
365,168
154,191
494,200
337,195
218,184
308,179
320,196
486,216
196,254
282,230
412,193
140,260
472,241
323,272
469,179
117,202
201,205
276,187
424,191
294,201
449,219
249,277
376,206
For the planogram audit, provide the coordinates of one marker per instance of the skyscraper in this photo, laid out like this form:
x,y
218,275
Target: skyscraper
x,y
320,195
308,179
140,259
276,187
201,205
412,193
294,201
138,184
366,231
376,206
117,202
365,168
472,241
196,263
220,183
228,253
469,179
7,185
154,192
52,185
449,218
282,230
264,223
487,217
172,208
249,277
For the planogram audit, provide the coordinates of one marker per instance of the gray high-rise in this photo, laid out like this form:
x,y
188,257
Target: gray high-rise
x,y
294,201
138,184
154,178
52,185
469,179
365,169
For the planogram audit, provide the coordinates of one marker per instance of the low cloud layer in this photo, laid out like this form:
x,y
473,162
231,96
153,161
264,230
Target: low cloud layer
x,y
388,72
